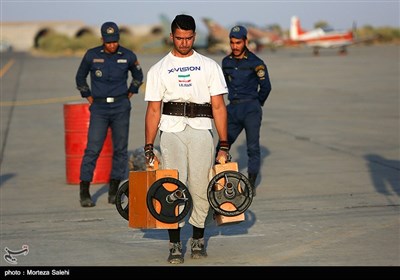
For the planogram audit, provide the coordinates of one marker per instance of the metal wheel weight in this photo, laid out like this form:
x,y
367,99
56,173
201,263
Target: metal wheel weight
x,y
168,206
230,187
122,200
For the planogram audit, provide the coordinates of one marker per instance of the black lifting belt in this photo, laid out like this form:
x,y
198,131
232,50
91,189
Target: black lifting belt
x,y
187,109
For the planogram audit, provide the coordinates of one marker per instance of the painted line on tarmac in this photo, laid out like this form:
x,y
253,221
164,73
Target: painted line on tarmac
x,y
39,101
6,67
47,101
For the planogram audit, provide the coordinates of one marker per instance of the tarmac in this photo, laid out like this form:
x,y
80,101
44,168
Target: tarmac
x,y
327,196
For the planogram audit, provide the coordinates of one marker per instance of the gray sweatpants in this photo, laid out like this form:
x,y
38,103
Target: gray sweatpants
x,y
191,152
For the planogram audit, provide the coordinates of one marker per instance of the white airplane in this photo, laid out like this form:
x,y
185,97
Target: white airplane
x,y
321,37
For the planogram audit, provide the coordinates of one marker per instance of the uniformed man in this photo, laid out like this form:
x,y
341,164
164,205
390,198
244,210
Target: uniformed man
x,y
249,86
109,97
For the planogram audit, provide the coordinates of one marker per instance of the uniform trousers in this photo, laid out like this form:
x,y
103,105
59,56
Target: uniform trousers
x,y
191,152
98,127
247,116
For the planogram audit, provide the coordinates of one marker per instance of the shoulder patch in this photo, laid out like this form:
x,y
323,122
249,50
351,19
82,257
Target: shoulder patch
x,y
260,70
138,67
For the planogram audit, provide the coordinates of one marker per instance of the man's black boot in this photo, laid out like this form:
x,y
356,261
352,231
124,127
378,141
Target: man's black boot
x,y
252,179
112,191
84,194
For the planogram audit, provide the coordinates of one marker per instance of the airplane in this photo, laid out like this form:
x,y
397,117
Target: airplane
x,y
218,37
262,38
258,39
321,37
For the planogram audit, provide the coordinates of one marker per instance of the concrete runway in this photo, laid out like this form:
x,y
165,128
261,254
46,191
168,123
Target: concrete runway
x,y
328,193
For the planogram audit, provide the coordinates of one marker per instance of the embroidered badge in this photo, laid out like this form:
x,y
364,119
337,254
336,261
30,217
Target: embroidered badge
x,y
110,30
260,70
138,67
98,73
236,29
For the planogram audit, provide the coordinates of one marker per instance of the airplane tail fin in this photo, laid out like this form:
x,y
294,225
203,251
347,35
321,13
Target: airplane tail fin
x,y
213,30
295,28
211,25
218,36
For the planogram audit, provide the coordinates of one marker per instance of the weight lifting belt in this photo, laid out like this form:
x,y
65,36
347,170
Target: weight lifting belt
x,y
187,109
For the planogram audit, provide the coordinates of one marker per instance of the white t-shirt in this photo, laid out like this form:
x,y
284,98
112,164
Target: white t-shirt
x,y
184,79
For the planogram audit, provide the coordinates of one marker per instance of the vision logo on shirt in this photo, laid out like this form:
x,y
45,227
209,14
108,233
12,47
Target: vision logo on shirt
x,y
184,80
184,69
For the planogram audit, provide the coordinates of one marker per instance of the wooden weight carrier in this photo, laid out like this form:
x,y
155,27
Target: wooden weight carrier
x,y
221,219
139,184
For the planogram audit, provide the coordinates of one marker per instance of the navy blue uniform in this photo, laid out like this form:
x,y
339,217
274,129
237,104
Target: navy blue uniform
x,y
249,87
111,106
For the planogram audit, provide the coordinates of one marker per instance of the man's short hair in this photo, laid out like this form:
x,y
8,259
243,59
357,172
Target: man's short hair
x,y
184,22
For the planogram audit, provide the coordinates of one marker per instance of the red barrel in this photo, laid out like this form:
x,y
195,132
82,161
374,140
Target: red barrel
x,y
76,122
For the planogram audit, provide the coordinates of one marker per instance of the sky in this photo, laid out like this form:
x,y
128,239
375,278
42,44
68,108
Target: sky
x,y
340,14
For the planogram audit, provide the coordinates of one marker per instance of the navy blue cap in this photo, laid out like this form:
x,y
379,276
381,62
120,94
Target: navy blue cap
x,y
238,32
110,32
